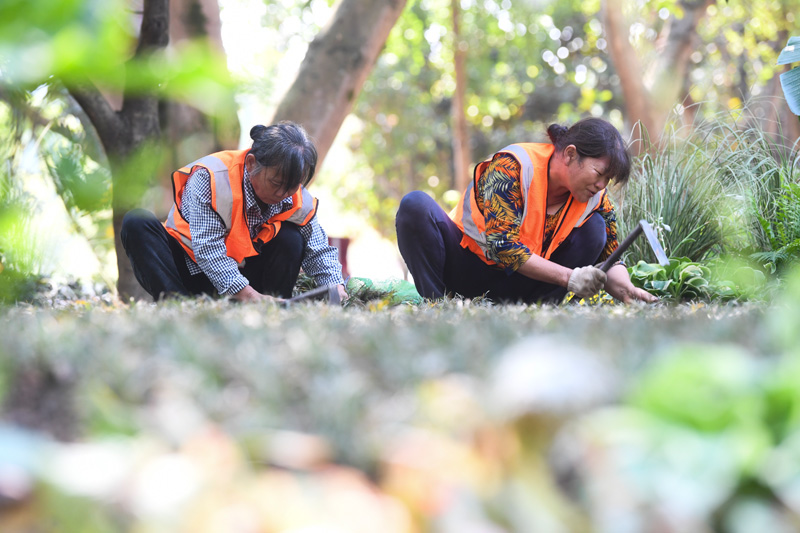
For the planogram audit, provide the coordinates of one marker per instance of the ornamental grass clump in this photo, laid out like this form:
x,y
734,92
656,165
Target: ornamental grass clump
x,y
723,186
673,188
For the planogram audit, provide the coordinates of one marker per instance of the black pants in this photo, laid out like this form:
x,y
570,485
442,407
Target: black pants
x,y
430,243
159,262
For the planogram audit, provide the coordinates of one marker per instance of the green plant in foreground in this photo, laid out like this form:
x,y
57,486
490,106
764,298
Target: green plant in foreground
x,y
684,279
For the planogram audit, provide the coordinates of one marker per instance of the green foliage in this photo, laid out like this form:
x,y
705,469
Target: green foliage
x,y
673,187
20,243
684,279
83,186
713,189
74,40
718,387
782,229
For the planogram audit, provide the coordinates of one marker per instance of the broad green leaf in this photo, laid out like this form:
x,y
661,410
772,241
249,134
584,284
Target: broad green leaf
x,y
659,285
697,282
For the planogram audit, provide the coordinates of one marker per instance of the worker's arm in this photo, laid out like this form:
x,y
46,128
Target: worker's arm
x,y
500,200
542,269
620,287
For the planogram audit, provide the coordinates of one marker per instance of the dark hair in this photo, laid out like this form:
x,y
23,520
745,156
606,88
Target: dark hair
x,y
286,147
594,137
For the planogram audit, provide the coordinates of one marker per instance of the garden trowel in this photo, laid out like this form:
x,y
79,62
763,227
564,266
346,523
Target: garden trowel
x,y
326,292
642,227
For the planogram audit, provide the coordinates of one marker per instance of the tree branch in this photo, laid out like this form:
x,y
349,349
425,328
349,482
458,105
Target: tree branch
x,y
106,121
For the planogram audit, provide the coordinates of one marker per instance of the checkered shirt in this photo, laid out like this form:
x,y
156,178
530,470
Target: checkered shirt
x,y
320,260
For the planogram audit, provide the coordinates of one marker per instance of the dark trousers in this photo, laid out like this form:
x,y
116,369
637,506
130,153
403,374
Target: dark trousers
x,y
430,243
159,262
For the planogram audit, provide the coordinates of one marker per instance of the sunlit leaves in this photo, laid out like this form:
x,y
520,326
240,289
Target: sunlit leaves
x,y
87,191
79,39
40,38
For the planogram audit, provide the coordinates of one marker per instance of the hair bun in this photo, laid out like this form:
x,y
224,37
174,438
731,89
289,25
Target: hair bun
x,y
257,131
556,131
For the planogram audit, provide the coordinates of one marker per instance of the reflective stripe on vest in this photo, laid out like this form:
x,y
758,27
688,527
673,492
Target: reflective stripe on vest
x,y
307,207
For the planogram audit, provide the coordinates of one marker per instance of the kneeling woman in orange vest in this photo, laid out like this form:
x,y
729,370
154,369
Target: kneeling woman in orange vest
x,y
529,227
242,224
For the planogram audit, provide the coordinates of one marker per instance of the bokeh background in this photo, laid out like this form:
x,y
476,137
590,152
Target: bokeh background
x,y
396,414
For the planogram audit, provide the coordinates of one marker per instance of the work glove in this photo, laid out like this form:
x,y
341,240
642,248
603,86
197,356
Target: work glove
x,y
586,281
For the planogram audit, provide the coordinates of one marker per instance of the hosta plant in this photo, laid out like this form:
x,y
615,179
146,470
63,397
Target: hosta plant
x,y
684,279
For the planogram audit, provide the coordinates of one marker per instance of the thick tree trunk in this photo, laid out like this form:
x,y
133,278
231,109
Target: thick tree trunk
x,y
461,150
146,138
338,62
127,132
628,68
187,132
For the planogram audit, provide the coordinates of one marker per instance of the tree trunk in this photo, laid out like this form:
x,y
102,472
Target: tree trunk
x,y
132,136
338,62
629,70
127,133
188,133
461,150
666,77
649,102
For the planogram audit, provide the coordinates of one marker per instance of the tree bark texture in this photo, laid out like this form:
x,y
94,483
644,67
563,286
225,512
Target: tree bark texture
x,y
462,158
127,131
187,132
666,78
335,67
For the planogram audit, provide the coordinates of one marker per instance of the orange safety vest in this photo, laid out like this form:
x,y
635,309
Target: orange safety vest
x,y
533,159
227,199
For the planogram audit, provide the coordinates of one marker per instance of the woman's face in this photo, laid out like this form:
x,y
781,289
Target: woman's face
x,y
587,176
267,186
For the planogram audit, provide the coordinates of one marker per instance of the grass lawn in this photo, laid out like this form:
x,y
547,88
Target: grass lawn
x,y
433,417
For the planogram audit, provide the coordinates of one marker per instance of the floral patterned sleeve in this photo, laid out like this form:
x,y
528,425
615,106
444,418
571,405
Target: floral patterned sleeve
x,y
610,218
500,198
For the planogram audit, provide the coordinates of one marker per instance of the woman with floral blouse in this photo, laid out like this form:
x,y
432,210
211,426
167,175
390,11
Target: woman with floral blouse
x,y
529,227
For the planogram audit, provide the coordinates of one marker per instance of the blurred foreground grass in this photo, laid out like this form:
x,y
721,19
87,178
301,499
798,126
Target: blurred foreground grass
x,y
206,416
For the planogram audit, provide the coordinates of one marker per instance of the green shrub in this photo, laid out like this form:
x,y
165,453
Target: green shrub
x,y
782,229
723,186
673,188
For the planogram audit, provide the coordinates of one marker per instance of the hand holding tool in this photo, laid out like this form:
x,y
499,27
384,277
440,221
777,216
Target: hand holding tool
x,y
586,281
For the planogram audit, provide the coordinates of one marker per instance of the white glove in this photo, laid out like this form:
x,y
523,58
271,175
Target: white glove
x,y
586,281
